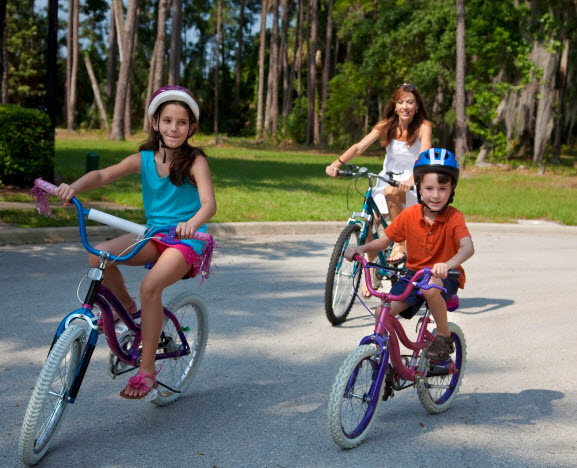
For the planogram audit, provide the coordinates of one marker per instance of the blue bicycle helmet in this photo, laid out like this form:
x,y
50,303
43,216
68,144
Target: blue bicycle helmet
x,y
436,160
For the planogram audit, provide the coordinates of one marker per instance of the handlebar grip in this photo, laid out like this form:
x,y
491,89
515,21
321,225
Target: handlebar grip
x,y
45,186
455,274
345,173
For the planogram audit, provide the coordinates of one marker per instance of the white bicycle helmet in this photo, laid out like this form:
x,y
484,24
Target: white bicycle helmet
x,y
173,93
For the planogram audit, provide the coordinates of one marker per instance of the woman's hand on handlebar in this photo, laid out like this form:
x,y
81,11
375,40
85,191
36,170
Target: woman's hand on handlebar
x,y
406,185
333,170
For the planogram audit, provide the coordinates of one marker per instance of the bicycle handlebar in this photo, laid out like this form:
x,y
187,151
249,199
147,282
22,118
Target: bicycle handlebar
x,y
113,221
412,283
364,172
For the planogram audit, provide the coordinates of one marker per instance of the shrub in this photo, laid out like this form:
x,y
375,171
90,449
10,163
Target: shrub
x,y
26,146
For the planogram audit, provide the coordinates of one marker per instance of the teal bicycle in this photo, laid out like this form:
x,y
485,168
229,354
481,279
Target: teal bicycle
x,y
342,278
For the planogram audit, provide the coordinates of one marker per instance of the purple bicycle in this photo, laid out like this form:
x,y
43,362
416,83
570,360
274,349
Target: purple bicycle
x,y
180,349
376,368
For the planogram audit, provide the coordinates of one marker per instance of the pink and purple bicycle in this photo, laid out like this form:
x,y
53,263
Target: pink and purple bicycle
x,y
180,349
376,368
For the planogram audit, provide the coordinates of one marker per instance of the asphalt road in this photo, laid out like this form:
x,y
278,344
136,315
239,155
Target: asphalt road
x,y
260,396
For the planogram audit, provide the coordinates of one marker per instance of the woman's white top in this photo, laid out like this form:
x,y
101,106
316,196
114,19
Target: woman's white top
x,y
400,160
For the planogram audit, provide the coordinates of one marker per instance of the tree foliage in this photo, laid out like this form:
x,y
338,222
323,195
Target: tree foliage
x,y
513,55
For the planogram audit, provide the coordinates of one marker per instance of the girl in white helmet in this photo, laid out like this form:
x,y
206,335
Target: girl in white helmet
x,y
177,190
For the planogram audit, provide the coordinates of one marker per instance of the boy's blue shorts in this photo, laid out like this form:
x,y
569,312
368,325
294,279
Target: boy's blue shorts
x,y
417,300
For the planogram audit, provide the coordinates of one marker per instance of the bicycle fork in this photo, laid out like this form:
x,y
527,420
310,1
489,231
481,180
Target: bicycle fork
x,y
84,313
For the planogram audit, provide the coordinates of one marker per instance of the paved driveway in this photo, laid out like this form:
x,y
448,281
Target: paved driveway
x,y
260,398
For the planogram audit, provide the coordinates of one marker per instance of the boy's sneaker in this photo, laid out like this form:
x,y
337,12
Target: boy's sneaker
x,y
441,349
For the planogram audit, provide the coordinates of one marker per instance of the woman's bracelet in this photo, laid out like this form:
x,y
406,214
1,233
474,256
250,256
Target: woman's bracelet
x,y
339,160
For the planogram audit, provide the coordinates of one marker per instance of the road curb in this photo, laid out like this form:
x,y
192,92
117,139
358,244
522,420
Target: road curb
x,y
18,236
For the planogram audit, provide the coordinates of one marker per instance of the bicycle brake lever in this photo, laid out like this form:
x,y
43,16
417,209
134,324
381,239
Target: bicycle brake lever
x,y
169,239
424,283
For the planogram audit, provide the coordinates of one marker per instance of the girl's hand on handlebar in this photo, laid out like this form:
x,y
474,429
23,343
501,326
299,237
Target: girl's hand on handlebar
x,y
352,251
185,230
65,192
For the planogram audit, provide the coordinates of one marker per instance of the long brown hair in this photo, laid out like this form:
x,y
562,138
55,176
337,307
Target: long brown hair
x,y
179,171
390,123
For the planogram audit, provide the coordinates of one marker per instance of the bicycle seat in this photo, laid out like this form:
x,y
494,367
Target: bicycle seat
x,y
453,303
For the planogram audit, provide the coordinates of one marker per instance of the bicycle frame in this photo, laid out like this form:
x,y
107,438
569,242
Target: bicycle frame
x,y
370,212
101,297
388,331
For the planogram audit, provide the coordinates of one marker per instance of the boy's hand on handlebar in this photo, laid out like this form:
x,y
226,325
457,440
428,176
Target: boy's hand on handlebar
x,y
352,251
440,270
65,193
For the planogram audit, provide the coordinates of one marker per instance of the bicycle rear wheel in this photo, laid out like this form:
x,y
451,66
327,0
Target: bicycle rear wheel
x,y
354,399
438,390
47,404
191,312
341,281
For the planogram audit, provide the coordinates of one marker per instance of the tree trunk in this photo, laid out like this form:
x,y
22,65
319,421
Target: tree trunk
x,y
4,52
283,59
326,73
72,62
311,79
560,102
124,75
216,64
239,45
119,21
544,119
461,128
112,54
96,91
297,61
156,71
261,71
271,111
160,44
175,43
2,38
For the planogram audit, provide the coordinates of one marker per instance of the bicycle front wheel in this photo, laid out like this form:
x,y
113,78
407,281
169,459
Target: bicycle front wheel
x,y
192,315
48,401
439,389
341,281
354,398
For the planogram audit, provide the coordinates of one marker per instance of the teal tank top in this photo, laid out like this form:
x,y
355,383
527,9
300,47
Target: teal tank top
x,y
166,204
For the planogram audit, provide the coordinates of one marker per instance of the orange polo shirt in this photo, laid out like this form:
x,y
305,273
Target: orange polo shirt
x,y
429,244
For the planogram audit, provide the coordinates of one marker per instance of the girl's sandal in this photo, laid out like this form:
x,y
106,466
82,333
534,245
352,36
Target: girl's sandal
x,y
137,382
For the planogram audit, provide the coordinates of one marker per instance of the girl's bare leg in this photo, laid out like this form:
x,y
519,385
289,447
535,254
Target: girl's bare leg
x,y
169,268
113,278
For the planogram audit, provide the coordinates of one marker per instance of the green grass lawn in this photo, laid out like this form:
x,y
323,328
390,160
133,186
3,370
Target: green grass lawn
x,y
256,183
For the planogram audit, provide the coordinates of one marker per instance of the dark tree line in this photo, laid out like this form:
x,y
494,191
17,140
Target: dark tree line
x,y
495,76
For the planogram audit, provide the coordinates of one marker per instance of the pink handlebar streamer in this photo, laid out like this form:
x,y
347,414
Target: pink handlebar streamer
x,y
38,194
203,263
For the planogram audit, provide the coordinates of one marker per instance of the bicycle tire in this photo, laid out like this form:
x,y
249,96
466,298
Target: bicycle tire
x,y
47,405
192,314
350,413
437,393
341,283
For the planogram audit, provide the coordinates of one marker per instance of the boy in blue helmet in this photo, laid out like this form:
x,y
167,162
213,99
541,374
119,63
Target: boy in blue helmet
x,y
436,236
